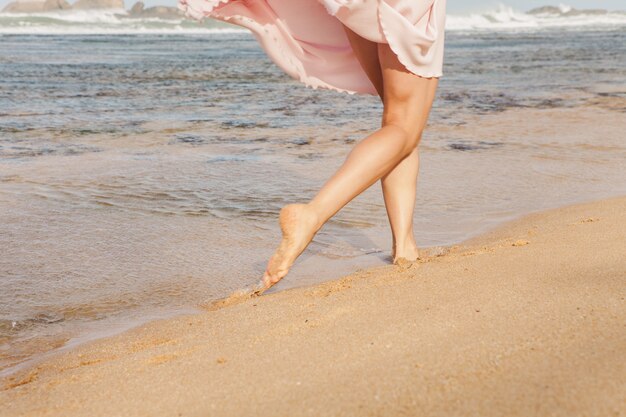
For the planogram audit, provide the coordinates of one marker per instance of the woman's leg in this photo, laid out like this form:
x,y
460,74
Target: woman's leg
x,y
407,101
367,54
399,192
398,186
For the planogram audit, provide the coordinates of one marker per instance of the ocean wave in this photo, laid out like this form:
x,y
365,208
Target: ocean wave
x,y
118,21
507,18
110,21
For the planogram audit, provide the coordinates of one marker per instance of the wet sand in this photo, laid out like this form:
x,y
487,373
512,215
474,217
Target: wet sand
x,y
526,320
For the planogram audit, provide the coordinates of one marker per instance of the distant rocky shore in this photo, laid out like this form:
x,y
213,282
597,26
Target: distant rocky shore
x,y
553,10
137,11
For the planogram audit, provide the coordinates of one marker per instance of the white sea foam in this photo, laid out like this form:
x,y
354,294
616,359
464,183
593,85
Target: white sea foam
x,y
565,8
127,30
507,18
118,22
110,21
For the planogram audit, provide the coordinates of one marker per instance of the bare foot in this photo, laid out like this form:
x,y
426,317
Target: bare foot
x,y
299,224
410,254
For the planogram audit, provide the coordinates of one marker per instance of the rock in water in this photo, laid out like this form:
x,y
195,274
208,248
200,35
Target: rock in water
x,y
21,6
50,5
98,4
545,10
552,10
162,12
137,8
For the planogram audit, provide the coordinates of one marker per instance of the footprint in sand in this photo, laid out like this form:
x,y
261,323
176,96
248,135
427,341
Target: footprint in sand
x,y
589,220
585,220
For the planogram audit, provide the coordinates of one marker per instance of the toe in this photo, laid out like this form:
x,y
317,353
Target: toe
x,y
267,280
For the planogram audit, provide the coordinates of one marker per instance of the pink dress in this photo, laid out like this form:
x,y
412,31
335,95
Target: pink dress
x,y
306,39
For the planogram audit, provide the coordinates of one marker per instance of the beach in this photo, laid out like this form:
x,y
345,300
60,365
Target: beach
x,y
143,164
141,174
527,319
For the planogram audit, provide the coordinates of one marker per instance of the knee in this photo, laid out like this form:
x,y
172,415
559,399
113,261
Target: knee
x,y
404,136
407,118
411,125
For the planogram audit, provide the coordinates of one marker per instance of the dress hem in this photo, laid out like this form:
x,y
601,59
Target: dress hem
x,y
202,14
294,70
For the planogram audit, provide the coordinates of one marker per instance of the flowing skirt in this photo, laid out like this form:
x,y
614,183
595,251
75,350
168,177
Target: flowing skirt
x,y
306,38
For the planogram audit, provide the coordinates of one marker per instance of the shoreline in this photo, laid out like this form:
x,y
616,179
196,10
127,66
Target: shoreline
x,y
120,327
85,338
241,339
117,221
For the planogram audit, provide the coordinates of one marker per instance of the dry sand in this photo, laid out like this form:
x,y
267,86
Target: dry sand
x,y
528,320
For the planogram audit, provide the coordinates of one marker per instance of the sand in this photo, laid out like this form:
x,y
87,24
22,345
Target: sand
x,y
528,320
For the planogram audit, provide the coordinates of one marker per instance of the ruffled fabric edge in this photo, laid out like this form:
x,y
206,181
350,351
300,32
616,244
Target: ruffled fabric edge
x,y
203,12
396,45
279,53
208,9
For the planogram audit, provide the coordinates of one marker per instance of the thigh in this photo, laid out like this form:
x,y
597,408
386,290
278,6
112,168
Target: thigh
x,y
367,54
408,97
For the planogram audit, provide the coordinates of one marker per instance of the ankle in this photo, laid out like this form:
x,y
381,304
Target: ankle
x,y
404,246
316,217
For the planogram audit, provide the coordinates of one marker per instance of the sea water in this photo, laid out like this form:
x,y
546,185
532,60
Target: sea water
x,y
142,166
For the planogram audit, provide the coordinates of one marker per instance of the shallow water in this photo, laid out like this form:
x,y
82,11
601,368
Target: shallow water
x,y
141,175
